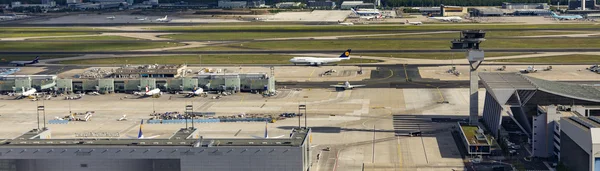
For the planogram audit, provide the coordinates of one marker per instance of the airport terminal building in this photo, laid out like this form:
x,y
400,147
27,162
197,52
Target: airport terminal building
x,y
184,151
551,114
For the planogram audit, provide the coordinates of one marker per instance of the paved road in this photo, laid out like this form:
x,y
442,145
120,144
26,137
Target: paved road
x,y
288,51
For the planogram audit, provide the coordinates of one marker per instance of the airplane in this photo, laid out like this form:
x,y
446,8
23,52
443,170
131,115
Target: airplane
x,y
197,92
142,19
447,19
346,24
30,92
165,19
371,17
529,69
141,134
149,92
124,118
320,61
414,22
347,86
366,12
266,136
111,17
566,17
23,63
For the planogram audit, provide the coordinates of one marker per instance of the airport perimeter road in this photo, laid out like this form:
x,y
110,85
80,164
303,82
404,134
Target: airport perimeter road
x,y
283,51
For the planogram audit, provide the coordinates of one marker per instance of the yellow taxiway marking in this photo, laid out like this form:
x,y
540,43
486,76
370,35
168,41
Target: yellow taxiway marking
x,y
242,100
311,73
405,72
441,96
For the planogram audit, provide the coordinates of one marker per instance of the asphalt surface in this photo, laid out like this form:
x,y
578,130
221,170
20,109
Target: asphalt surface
x,y
287,51
8,25
291,39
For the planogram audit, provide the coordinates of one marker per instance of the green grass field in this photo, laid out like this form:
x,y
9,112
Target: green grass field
x,y
489,34
563,59
76,46
8,58
255,35
376,27
415,44
205,59
91,38
439,56
40,34
49,29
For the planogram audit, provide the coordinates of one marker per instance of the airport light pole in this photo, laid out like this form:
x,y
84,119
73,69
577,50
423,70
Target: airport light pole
x,y
301,108
43,110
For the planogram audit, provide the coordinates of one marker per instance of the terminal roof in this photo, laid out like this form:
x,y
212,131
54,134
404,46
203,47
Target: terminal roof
x,y
502,86
180,138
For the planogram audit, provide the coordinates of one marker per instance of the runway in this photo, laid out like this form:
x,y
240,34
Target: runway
x,y
285,51
256,40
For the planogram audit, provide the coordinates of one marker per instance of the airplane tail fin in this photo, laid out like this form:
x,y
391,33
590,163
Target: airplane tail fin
x,y
140,134
353,10
346,54
36,60
147,90
347,84
23,90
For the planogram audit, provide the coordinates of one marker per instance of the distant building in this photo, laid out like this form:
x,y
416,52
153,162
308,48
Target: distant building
x,y
356,4
487,11
321,4
256,4
433,11
287,4
580,5
153,2
508,5
16,4
74,1
232,4
453,11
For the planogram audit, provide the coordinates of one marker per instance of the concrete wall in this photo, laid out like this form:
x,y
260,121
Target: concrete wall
x,y
578,141
248,158
64,85
492,114
7,85
22,83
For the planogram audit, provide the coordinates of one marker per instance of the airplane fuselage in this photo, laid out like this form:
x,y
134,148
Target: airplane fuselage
x,y
314,60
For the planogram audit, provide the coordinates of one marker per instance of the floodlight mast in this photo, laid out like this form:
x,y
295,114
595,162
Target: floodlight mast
x,y
469,41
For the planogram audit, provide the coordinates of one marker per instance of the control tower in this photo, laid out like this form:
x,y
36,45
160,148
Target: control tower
x,y
469,41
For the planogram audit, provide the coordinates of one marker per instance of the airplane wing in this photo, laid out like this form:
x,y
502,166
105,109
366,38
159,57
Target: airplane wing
x,y
337,86
358,85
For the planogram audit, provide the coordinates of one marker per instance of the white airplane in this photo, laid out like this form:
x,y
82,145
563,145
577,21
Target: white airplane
x,y
124,118
23,63
316,61
266,136
142,19
529,69
196,92
111,17
414,22
141,134
165,19
447,19
346,24
371,17
30,92
347,85
365,12
149,92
